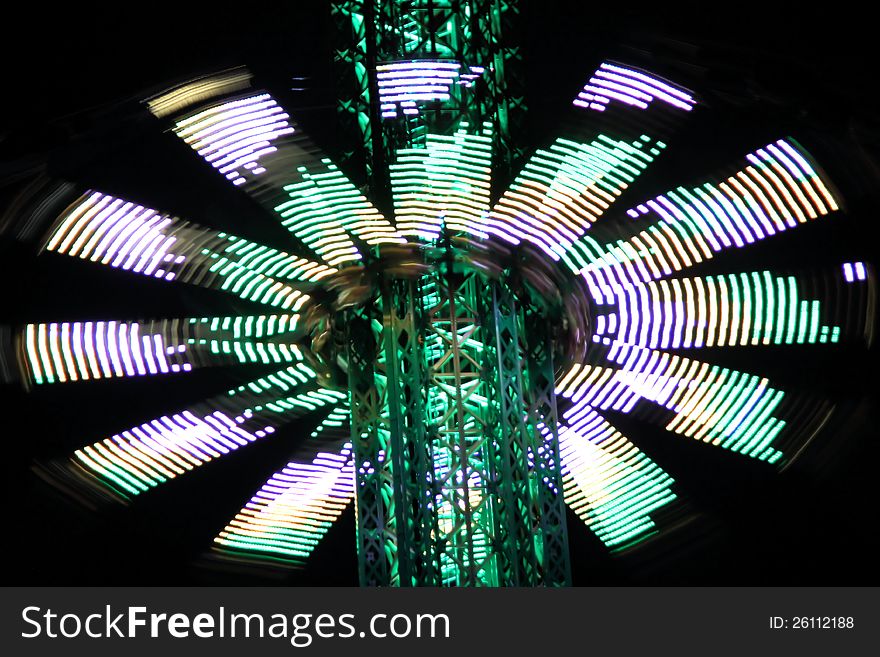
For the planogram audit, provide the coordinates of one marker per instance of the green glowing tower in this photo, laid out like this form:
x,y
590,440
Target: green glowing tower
x,y
451,362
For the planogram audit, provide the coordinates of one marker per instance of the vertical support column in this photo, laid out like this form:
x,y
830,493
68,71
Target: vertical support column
x,y
406,372
453,409
517,514
370,438
457,401
350,65
544,428
497,43
365,34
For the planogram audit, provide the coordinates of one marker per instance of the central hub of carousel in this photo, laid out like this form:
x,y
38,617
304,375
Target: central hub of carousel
x,y
449,352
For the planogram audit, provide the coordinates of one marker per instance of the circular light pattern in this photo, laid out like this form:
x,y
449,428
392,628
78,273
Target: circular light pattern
x,y
646,310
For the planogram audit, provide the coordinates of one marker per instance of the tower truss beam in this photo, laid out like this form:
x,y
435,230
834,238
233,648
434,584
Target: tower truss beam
x,y
455,434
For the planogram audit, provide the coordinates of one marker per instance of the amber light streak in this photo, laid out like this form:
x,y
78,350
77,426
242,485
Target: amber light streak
x,y
287,517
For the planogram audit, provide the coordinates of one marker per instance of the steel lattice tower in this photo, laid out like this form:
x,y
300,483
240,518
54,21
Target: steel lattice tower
x,y
451,376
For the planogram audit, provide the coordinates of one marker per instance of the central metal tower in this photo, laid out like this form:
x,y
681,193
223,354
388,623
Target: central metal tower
x,y
450,363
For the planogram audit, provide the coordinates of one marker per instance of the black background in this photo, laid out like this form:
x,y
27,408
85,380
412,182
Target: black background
x,y
73,76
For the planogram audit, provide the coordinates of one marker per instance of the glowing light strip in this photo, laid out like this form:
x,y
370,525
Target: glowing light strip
x,y
235,135
324,207
197,91
288,516
84,350
120,234
445,183
631,87
403,86
609,483
564,189
713,404
714,311
270,262
248,140
77,351
777,191
854,271
147,455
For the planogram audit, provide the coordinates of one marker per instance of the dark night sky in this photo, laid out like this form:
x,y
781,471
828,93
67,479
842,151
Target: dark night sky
x,y
72,78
